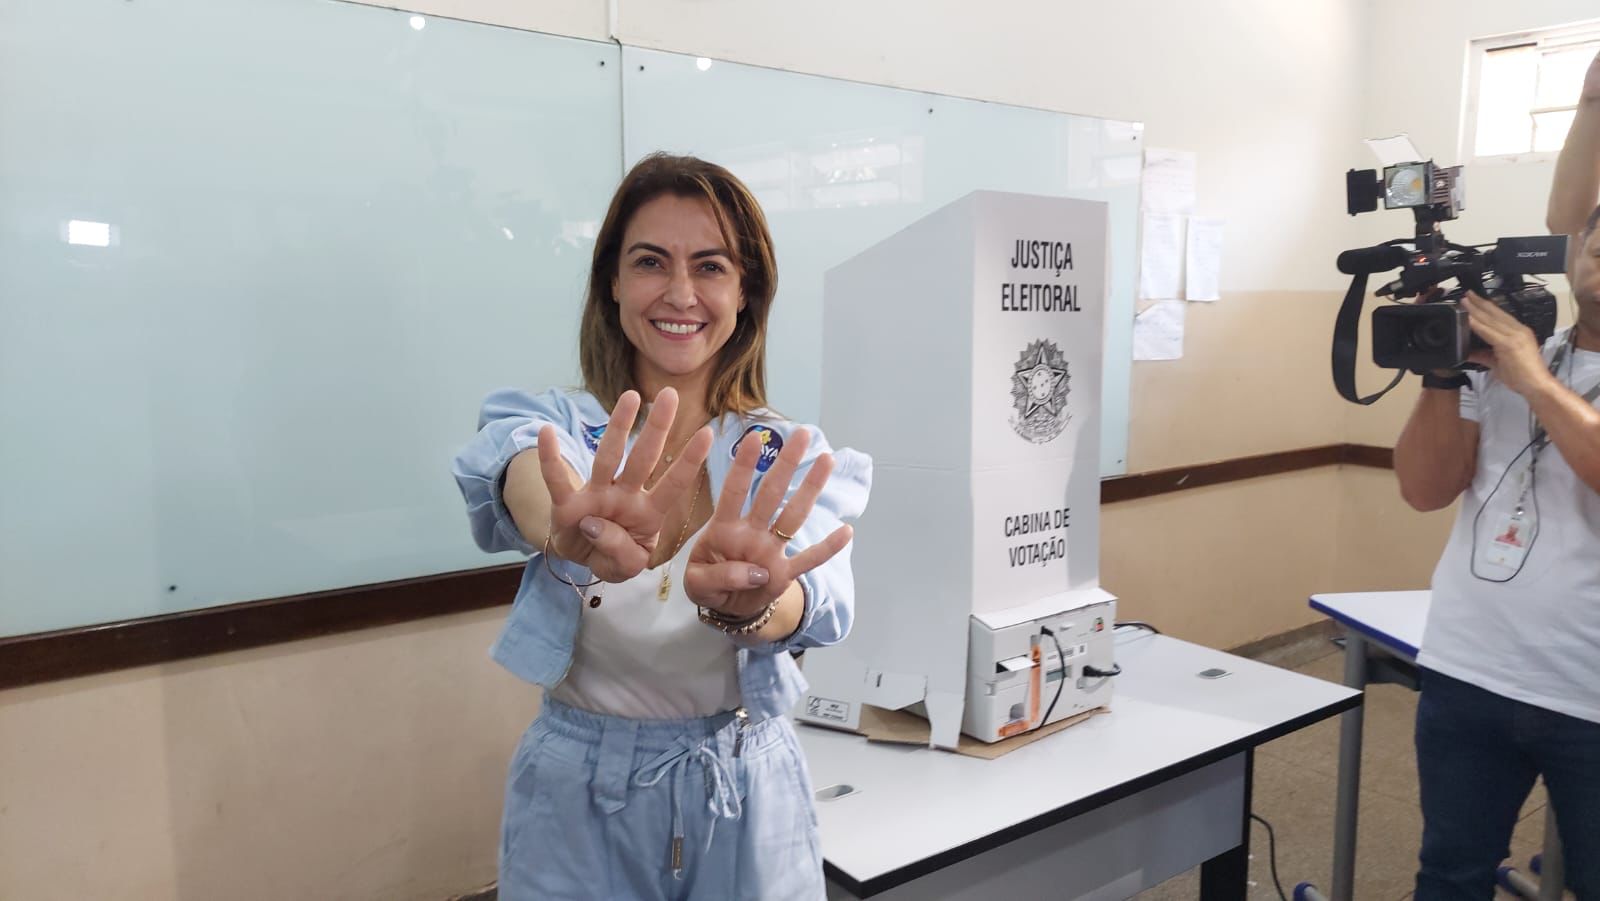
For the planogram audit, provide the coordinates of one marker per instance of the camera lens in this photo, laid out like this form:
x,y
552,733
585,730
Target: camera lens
x,y
1432,334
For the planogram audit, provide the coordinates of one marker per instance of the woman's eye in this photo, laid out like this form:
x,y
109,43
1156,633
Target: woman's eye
x,y
647,263
712,267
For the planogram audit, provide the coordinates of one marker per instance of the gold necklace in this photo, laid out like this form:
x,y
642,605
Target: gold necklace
x,y
683,534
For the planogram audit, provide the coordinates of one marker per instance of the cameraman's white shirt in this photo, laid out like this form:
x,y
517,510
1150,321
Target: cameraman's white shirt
x,y
1535,638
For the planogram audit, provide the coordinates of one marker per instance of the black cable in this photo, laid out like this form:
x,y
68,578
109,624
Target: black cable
x,y
1536,442
1138,624
1477,519
1061,661
1094,672
1272,855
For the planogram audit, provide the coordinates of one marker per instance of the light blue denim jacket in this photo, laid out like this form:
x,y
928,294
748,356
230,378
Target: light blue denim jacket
x,y
537,641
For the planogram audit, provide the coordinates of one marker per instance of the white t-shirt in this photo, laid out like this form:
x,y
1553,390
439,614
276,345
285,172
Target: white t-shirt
x,y
640,657
1536,636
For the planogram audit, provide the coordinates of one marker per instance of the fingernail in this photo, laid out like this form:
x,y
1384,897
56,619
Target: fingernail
x,y
758,576
589,526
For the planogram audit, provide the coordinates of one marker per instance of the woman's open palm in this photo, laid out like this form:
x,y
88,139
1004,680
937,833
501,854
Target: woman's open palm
x,y
739,564
611,524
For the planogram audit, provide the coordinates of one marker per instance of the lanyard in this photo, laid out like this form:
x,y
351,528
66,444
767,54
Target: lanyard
x,y
1541,438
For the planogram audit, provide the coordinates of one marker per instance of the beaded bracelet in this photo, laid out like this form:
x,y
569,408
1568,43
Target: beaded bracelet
x,y
739,626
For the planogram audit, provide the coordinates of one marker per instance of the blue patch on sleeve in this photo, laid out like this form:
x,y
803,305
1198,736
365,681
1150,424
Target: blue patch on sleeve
x,y
592,434
771,445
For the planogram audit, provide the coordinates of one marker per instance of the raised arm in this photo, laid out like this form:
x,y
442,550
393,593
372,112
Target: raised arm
x,y
1576,187
1437,452
508,504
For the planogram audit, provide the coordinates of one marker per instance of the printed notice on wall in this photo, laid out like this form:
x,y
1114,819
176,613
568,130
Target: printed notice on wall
x,y
1203,259
1161,257
1168,183
1158,332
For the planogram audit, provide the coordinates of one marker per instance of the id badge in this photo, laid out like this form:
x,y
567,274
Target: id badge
x,y
1508,545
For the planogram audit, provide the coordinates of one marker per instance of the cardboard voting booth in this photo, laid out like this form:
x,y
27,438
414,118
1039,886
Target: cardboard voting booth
x,y
964,354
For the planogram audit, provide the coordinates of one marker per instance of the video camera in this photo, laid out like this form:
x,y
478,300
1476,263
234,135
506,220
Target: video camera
x,y
1432,332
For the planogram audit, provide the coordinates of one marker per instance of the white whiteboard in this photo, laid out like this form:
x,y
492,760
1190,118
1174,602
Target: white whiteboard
x,y
330,229
839,166
331,233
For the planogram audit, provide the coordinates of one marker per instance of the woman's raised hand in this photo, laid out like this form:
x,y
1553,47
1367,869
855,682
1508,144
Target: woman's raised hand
x,y
612,524
739,565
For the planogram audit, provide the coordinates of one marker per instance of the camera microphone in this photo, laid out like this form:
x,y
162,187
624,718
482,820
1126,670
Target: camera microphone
x,y
1368,260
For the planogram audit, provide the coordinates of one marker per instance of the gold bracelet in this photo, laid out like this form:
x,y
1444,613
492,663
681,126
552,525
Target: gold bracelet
x,y
560,577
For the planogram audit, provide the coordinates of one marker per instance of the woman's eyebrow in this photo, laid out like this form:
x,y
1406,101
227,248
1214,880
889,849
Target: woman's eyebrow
x,y
662,251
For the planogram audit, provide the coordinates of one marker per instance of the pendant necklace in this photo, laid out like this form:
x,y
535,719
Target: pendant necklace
x,y
683,534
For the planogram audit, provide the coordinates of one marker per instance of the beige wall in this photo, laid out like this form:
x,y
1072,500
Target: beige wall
x,y
1225,564
1253,379
1383,544
1236,562
364,766
370,766
1418,71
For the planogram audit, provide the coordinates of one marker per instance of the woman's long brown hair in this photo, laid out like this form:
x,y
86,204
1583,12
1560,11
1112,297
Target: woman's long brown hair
x,y
739,384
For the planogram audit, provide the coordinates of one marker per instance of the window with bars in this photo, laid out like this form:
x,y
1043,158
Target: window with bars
x,y
1523,91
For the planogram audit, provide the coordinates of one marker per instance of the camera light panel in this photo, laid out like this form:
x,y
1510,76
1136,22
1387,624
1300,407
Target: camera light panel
x,y
1405,186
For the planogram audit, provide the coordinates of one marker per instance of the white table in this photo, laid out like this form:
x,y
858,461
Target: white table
x,y
1383,635
1392,619
1103,809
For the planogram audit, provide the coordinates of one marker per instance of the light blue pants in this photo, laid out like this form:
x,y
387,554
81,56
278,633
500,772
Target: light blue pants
x,y
606,807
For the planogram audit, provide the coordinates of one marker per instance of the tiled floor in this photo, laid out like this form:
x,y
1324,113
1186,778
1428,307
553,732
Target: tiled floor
x,y
1295,778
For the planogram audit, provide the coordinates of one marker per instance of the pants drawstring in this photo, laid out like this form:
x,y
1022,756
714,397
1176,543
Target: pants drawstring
x,y
722,791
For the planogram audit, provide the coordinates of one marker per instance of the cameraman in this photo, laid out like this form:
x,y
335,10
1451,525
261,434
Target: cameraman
x,y
1511,653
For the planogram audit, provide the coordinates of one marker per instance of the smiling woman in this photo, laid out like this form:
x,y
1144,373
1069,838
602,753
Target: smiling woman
x,y
677,292
660,626
686,243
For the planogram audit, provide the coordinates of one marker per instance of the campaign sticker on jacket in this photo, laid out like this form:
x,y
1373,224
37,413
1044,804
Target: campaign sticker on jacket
x,y
771,444
592,434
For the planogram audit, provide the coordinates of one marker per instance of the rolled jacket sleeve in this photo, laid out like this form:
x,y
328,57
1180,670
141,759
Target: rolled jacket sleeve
x,y
830,588
508,425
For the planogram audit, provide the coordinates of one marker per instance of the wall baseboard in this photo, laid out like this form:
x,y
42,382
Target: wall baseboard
x,y
88,650
1293,648
1221,472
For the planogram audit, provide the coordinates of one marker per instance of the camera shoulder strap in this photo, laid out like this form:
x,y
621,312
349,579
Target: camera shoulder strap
x,y
1346,340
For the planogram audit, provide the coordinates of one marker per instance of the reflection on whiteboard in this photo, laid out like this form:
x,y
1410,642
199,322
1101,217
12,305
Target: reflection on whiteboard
x,y
836,172
285,339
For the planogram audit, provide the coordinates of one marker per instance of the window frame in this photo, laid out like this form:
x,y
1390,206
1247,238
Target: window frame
x,y
1543,39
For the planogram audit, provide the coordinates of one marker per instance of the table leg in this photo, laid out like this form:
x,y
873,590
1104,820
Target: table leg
x,y
1552,869
1226,877
1349,790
